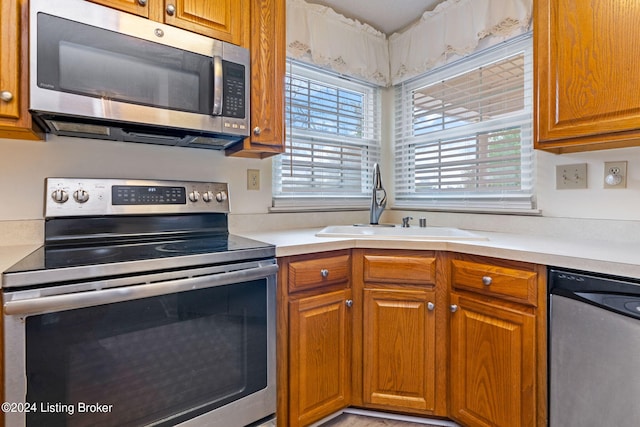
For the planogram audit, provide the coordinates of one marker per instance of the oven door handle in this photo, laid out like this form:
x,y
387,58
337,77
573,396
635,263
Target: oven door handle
x,y
51,304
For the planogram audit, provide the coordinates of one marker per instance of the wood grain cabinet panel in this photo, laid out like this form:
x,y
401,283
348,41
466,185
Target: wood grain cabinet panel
x,y
219,19
498,343
15,119
323,271
400,332
314,339
319,352
413,269
399,348
268,61
493,370
137,7
505,282
586,79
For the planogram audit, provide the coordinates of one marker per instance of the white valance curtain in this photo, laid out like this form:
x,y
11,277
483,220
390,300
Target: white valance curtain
x,y
453,29
320,36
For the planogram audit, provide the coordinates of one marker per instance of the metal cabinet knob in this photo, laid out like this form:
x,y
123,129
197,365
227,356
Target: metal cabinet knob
x,y
486,280
349,303
6,96
257,131
324,272
453,308
142,2
431,306
171,9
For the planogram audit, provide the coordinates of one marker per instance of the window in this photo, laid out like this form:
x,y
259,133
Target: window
x,y
333,140
463,138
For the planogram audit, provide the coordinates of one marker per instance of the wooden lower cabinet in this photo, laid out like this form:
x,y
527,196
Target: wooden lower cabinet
x,y
399,348
498,343
400,336
314,318
319,354
493,368
433,334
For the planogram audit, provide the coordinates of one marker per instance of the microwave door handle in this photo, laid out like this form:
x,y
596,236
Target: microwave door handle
x,y
217,85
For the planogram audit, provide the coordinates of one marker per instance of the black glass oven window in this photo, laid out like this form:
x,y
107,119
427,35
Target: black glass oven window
x,y
86,60
147,359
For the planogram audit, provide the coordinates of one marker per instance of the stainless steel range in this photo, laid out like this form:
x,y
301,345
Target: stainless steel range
x,y
140,310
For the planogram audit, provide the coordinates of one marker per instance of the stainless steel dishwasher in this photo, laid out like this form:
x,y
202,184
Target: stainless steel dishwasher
x,y
594,350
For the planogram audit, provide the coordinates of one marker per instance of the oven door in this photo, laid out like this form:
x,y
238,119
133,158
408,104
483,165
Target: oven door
x,y
193,347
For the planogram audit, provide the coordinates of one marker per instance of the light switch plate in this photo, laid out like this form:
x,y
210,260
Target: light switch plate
x,y
571,177
253,179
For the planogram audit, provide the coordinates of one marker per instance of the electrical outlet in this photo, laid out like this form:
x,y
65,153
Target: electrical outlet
x,y
571,176
615,174
253,179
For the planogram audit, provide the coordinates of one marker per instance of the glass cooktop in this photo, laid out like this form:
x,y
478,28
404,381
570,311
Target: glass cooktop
x,y
46,258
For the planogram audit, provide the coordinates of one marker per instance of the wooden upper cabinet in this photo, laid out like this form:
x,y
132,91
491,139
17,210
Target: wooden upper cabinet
x,y
137,7
587,57
15,120
219,19
268,59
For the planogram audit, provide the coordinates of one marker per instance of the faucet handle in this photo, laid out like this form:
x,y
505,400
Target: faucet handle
x,y
405,221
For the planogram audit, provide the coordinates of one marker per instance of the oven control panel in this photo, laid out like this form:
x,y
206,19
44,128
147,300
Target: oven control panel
x,y
91,196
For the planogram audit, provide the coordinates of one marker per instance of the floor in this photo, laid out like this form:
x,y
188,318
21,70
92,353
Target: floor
x,y
353,420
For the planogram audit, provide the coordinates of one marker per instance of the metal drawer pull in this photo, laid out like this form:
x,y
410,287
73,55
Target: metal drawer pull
x,y
171,9
324,272
349,302
486,280
142,2
453,308
430,306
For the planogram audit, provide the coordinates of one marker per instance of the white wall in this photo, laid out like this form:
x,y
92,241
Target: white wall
x,y
25,164
595,201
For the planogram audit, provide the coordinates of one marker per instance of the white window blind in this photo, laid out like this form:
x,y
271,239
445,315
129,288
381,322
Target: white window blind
x,y
333,140
463,138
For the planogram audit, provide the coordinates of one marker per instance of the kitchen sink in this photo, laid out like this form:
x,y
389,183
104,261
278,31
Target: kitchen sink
x,y
398,232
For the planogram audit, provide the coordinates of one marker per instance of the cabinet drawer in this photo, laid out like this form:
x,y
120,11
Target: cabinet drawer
x,y
418,270
508,283
314,273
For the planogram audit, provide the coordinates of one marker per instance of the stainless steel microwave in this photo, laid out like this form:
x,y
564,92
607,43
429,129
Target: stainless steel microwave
x,y
99,73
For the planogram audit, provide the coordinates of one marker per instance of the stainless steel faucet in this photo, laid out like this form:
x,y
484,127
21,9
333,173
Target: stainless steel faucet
x,y
378,197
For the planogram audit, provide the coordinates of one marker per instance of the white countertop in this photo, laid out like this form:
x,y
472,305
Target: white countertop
x,y
615,258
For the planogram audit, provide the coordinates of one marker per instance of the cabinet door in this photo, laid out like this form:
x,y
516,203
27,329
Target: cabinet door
x,y
399,348
219,19
319,354
493,369
10,64
15,120
137,7
586,74
268,53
